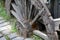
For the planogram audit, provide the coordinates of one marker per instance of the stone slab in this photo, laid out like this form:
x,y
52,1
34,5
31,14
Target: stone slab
x,y
7,27
4,24
6,32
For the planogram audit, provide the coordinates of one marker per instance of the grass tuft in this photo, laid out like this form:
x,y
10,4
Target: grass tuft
x,y
7,38
35,37
13,23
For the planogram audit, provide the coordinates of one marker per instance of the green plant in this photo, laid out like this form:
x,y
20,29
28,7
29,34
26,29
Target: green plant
x,y
3,11
7,38
35,37
13,23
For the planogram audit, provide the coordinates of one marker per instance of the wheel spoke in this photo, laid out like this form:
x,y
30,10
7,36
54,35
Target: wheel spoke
x,y
15,7
19,18
37,16
16,1
21,5
30,12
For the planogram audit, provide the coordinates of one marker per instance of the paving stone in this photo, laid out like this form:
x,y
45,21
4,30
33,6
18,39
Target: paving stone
x,y
13,35
28,39
18,38
2,21
7,27
4,24
3,38
6,32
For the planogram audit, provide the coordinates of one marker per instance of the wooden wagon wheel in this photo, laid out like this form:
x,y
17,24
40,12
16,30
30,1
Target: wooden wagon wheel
x,y
27,15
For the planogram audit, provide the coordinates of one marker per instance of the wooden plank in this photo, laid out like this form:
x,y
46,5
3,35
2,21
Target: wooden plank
x,y
57,19
57,23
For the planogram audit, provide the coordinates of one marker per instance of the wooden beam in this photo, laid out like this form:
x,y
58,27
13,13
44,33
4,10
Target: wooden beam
x,y
57,23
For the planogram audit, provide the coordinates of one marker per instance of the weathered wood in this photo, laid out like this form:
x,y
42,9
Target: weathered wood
x,y
39,4
50,27
40,34
40,12
22,15
26,26
7,6
19,3
23,2
57,23
29,15
48,20
27,30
